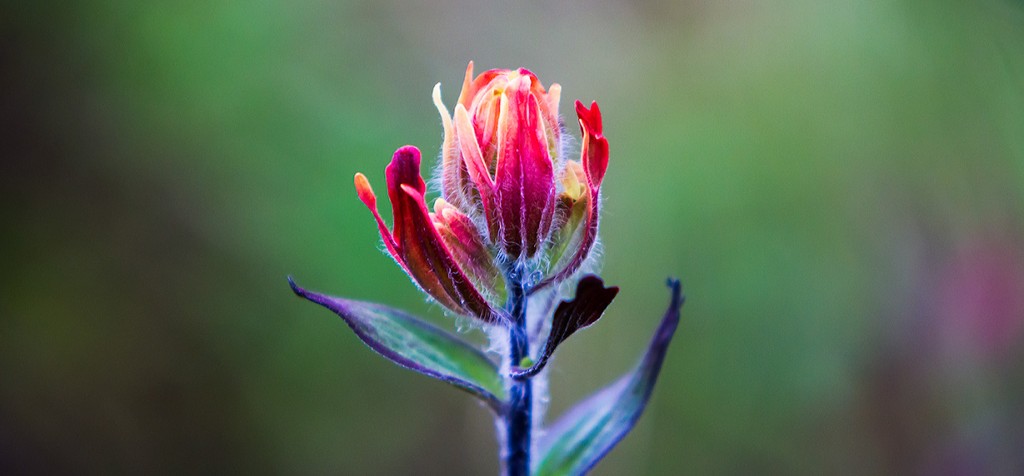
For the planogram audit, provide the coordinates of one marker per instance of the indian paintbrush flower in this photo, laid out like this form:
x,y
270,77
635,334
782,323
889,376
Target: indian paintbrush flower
x,y
515,217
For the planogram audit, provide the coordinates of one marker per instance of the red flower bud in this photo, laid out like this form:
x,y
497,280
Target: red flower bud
x,y
504,140
417,245
501,196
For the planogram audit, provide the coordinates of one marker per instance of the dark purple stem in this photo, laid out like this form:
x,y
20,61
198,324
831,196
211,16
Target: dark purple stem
x,y
519,418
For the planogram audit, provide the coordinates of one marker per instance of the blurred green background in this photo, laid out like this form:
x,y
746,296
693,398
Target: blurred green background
x,y
840,186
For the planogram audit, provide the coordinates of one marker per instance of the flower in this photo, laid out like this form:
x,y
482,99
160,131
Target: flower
x,y
500,155
501,143
508,197
416,243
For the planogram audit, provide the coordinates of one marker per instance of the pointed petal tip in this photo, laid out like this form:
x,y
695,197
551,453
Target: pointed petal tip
x,y
582,110
590,119
595,146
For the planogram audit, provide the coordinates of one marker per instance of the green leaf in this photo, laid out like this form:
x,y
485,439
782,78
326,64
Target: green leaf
x,y
587,432
414,344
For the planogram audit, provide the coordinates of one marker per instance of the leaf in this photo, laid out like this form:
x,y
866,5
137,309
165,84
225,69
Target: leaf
x,y
587,432
414,344
592,298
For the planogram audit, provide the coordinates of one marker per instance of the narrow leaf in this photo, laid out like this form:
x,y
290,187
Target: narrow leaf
x,y
587,432
592,298
417,345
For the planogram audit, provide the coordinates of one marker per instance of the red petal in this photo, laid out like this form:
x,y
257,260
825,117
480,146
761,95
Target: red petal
x,y
590,117
594,157
595,146
424,254
524,174
548,103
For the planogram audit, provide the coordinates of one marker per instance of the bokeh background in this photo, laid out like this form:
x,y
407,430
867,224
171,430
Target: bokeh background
x,y
839,184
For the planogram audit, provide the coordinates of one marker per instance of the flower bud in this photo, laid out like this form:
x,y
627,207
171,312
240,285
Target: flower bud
x,y
503,142
501,202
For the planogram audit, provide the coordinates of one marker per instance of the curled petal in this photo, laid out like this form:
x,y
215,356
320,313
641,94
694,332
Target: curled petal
x,y
594,159
416,245
592,298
